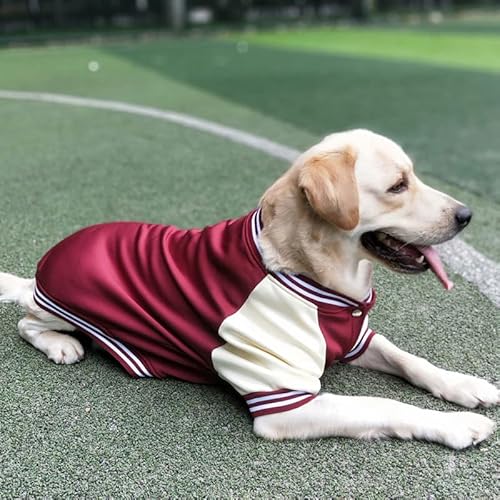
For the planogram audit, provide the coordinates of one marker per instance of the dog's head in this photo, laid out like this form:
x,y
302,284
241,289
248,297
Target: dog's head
x,y
359,188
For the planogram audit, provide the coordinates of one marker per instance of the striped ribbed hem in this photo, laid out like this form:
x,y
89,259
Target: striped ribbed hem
x,y
266,403
361,345
123,354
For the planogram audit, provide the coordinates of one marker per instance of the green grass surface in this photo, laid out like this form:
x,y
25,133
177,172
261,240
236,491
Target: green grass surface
x,y
91,431
466,21
481,51
420,106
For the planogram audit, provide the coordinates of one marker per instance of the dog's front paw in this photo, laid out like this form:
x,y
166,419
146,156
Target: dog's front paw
x,y
463,429
64,349
467,390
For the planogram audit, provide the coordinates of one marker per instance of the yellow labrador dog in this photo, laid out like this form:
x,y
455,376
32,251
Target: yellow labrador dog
x,y
267,301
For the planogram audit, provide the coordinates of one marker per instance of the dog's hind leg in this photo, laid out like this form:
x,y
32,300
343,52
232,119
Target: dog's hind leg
x,y
15,290
40,328
58,347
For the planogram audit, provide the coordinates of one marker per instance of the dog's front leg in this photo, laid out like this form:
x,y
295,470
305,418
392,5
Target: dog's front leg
x,y
367,417
464,390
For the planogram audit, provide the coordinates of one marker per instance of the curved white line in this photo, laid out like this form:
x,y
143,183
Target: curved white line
x,y
462,258
234,135
472,266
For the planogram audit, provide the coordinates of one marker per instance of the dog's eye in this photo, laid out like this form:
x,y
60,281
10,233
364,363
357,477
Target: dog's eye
x,y
401,186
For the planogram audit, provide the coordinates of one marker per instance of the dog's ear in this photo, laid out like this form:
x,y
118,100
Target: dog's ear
x,y
329,184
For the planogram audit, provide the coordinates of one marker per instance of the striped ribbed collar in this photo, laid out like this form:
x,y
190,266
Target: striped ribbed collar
x,y
303,286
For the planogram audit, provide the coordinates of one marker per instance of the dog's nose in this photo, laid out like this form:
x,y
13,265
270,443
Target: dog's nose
x,y
463,216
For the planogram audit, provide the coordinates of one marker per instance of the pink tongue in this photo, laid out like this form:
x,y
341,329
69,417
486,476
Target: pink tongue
x,y
432,258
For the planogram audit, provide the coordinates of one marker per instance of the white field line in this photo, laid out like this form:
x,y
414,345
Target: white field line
x,y
234,135
460,257
472,265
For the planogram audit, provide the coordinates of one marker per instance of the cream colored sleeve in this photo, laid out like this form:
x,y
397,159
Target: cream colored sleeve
x,y
272,343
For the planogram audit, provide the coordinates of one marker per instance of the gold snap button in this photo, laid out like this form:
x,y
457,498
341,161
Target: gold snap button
x,y
357,313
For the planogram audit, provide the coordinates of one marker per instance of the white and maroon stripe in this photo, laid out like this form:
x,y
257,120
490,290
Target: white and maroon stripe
x,y
362,342
309,291
265,403
123,353
300,286
305,285
256,229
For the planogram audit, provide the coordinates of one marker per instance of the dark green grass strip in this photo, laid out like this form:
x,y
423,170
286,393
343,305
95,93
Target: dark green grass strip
x,y
463,50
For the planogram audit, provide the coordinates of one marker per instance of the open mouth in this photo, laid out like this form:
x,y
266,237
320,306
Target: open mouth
x,y
404,257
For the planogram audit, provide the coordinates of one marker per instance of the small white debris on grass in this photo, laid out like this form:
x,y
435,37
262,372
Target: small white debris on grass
x,y
452,464
436,17
93,66
242,47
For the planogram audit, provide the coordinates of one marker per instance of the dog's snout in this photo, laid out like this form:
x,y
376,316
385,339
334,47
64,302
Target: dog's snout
x,y
463,216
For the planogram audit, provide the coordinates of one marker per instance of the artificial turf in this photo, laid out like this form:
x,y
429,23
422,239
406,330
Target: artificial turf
x,y
447,118
465,50
91,431
296,98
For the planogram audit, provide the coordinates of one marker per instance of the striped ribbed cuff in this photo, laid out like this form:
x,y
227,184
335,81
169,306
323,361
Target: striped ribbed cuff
x,y
360,346
265,403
